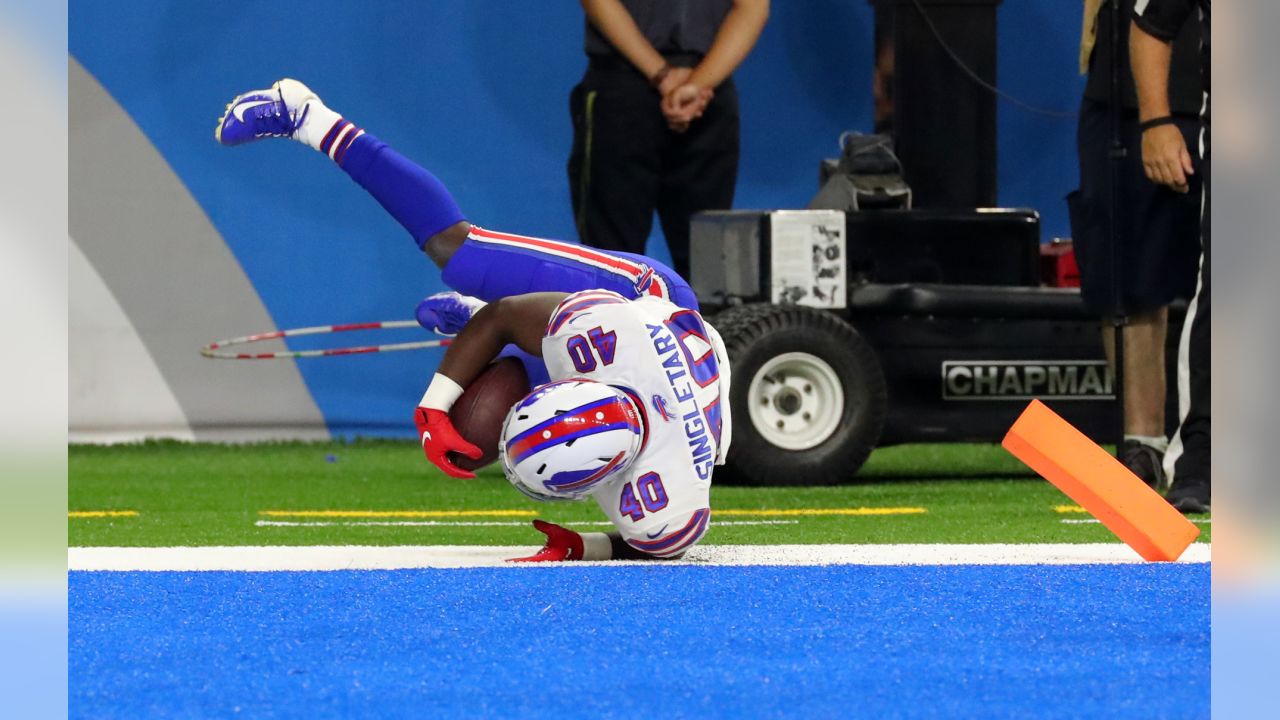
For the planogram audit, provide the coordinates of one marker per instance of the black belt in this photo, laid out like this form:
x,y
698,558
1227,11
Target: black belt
x,y
618,63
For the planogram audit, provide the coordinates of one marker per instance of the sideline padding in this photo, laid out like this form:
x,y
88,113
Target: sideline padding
x,y
400,557
1097,481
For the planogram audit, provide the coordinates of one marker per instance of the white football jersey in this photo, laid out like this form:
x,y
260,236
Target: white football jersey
x,y
674,366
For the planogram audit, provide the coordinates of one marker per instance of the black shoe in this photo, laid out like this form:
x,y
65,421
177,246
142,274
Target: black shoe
x,y
1146,462
1189,497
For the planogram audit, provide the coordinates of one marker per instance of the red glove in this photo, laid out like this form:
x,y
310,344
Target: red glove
x,y
439,438
562,544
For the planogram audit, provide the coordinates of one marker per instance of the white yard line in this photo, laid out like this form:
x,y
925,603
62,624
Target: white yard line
x,y
1094,521
473,523
364,557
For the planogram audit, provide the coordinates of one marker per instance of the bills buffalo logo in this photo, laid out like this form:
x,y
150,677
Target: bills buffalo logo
x,y
644,281
660,404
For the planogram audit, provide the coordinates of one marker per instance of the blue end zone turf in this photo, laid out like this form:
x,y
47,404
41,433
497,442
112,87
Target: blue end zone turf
x,y
645,642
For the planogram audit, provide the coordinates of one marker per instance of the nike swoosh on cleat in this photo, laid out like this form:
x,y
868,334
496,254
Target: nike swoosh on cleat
x,y
238,112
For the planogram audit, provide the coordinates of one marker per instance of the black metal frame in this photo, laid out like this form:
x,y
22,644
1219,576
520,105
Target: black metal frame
x,y
1119,317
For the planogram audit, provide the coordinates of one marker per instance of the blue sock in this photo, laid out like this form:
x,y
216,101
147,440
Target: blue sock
x,y
413,196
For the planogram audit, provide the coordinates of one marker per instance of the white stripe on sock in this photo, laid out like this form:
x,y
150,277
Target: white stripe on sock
x,y
333,149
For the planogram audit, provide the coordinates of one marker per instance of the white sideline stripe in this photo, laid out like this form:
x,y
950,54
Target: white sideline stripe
x,y
1085,521
365,557
470,523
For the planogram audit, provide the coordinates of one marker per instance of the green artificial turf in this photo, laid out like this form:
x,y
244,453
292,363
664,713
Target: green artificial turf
x,y
204,494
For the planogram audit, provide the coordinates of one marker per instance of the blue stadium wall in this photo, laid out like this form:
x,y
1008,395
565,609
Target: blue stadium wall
x,y
177,241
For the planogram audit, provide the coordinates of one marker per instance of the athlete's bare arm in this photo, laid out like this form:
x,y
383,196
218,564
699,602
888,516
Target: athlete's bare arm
x,y
441,246
1165,158
520,320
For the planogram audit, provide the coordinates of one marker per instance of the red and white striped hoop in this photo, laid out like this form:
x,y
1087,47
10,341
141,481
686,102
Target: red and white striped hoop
x,y
215,349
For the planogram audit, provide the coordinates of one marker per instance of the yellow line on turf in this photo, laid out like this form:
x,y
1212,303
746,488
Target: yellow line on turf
x,y
807,512
398,513
101,513
1068,509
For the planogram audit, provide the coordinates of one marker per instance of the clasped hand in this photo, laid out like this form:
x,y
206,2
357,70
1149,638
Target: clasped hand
x,y
682,101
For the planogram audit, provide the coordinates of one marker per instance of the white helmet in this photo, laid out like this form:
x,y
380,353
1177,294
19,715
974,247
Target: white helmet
x,y
565,438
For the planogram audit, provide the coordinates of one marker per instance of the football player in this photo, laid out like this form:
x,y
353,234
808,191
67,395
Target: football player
x,y
636,415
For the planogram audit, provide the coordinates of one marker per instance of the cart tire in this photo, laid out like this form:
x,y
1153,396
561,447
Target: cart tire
x,y
808,396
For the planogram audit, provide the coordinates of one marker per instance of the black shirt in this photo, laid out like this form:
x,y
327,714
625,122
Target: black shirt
x,y
1186,91
1163,18
673,27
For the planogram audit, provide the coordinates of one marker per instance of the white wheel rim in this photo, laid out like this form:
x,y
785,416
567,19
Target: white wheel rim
x,y
795,401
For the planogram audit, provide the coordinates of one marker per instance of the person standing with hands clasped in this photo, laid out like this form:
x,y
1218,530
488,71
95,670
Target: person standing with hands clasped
x,y
655,118
1168,161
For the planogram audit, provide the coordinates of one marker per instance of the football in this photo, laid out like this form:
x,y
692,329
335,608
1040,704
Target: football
x,y
479,412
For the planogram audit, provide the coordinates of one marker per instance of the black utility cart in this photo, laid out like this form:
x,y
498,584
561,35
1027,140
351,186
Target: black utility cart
x,y
848,330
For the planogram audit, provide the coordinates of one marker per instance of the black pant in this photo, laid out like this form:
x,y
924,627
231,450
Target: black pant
x,y
626,163
1192,466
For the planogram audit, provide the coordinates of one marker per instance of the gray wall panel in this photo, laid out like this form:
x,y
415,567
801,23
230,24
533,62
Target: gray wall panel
x,y
174,276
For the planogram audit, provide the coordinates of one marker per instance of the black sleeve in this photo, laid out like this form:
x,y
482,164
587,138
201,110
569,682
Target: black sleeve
x,y
1162,18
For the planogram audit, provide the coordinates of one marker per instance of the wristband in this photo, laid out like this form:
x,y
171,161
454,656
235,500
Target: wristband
x,y
596,546
1156,122
659,76
441,394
